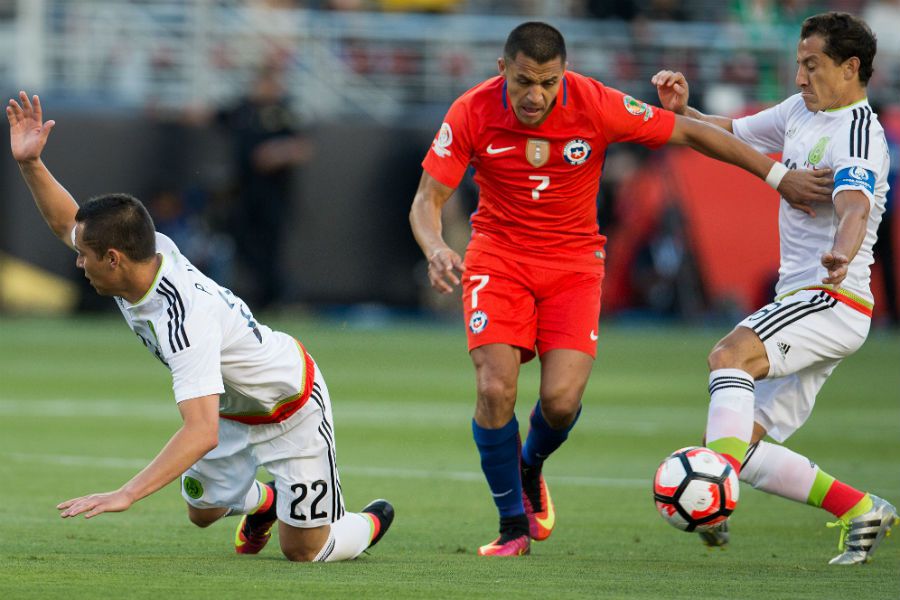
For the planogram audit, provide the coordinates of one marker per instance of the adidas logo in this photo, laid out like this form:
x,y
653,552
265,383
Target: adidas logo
x,y
783,348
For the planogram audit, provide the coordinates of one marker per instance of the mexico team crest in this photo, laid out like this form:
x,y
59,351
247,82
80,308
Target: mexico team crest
x,y
537,152
818,151
478,322
576,152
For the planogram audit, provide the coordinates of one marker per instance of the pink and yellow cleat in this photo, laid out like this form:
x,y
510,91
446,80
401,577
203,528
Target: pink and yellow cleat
x,y
254,530
507,546
538,506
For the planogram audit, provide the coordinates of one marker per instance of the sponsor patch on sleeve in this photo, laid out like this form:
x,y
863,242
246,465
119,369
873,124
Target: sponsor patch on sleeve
x,y
858,177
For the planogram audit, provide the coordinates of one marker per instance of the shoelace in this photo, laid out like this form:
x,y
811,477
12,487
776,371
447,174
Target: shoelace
x,y
845,529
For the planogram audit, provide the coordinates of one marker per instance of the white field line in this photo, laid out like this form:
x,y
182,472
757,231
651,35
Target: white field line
x,y
134,464
349,411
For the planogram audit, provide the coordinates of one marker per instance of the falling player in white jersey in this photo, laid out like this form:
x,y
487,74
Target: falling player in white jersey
x,y
249,396
765,374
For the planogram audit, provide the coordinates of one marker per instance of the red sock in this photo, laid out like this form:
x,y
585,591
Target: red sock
x,y
840,498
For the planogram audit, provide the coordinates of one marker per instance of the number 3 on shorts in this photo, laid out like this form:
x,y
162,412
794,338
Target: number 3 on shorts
x,y
482,281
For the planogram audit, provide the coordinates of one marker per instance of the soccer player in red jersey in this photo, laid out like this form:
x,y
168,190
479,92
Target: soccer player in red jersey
x,y
536,136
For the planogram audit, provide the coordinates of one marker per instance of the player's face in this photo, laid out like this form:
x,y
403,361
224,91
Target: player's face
x,y
532,87
96,268
823,83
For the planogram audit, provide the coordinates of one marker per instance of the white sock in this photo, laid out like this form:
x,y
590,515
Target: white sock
x,y
730,416
780,471
251,502
349,536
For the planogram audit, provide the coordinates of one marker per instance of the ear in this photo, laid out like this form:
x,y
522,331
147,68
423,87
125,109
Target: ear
x,y
501,66
113,258
851,68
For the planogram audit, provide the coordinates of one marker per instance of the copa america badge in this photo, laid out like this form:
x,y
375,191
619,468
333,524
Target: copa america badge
x,y
477,322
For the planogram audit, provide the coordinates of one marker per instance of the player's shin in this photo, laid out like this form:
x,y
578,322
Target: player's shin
x,y
729,424
349,536
499,449
543,440
778,470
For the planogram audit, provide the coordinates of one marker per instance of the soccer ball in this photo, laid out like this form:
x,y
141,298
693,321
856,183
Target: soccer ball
x,y
695,489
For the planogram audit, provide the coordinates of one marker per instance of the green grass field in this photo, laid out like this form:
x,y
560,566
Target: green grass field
x,y
83,407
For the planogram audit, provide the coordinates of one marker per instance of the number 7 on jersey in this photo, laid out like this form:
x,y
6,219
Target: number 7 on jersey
x,y
543,185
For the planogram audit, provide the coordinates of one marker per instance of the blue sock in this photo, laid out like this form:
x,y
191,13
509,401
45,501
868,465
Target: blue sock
x,y
542,439
499,449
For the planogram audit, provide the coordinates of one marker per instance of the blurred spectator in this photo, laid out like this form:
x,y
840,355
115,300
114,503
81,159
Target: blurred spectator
x,y
433,6
268,147
620,10
180,215
664,274
884,248
884,19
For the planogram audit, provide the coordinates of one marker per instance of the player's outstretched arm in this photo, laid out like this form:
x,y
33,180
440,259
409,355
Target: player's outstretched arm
x,y
852,210
799,187
673,90
198,435
28,135
425,219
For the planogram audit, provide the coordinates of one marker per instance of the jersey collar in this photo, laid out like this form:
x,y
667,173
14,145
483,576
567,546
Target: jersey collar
x,y
159,273
840,108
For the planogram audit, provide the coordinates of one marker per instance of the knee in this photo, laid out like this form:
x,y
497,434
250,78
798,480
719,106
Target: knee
x,y
299,554
496,389
199,518
562,413
560,404
723,356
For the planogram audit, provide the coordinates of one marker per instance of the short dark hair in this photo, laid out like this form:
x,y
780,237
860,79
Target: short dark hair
x,y
118,221
538,41
845,36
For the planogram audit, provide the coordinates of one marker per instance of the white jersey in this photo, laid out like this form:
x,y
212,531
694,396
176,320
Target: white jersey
x,y
211,343
850,141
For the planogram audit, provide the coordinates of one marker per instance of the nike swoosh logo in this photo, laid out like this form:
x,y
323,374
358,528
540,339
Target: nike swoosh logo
x,y
548,522
501,495
492,150
594,336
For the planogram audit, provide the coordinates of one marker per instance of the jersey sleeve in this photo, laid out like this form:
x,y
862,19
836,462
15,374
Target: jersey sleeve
x,y
451,150
191,348
857,154
765,130
625,119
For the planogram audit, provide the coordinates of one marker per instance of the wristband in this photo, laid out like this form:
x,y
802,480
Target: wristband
x,y
776,174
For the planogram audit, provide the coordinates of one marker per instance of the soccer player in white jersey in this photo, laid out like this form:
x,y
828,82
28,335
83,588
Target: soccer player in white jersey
x,y
765,374
249,396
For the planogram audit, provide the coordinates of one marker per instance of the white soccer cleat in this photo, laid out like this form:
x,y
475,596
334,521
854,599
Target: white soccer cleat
x,y
861,536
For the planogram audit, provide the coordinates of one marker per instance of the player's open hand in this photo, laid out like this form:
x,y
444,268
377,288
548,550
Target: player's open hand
x,y
673,90
27,130
803,188
443,266
95,504
837,265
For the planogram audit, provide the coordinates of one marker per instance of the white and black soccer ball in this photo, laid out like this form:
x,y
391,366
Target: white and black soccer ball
x,y
695,489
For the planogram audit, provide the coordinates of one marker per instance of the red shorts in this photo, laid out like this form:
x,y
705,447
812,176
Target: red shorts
x,y
531,307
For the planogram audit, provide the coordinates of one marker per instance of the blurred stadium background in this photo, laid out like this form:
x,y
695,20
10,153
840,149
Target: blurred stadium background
x,y
138,88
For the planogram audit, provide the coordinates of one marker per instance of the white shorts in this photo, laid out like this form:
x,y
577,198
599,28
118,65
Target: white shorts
x,y
299,453
806,336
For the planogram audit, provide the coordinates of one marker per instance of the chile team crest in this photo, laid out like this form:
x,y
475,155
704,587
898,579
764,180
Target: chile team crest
x,y
576,152
478,322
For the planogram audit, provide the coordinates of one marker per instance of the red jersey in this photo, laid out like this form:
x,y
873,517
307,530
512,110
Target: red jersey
x,y
538,200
